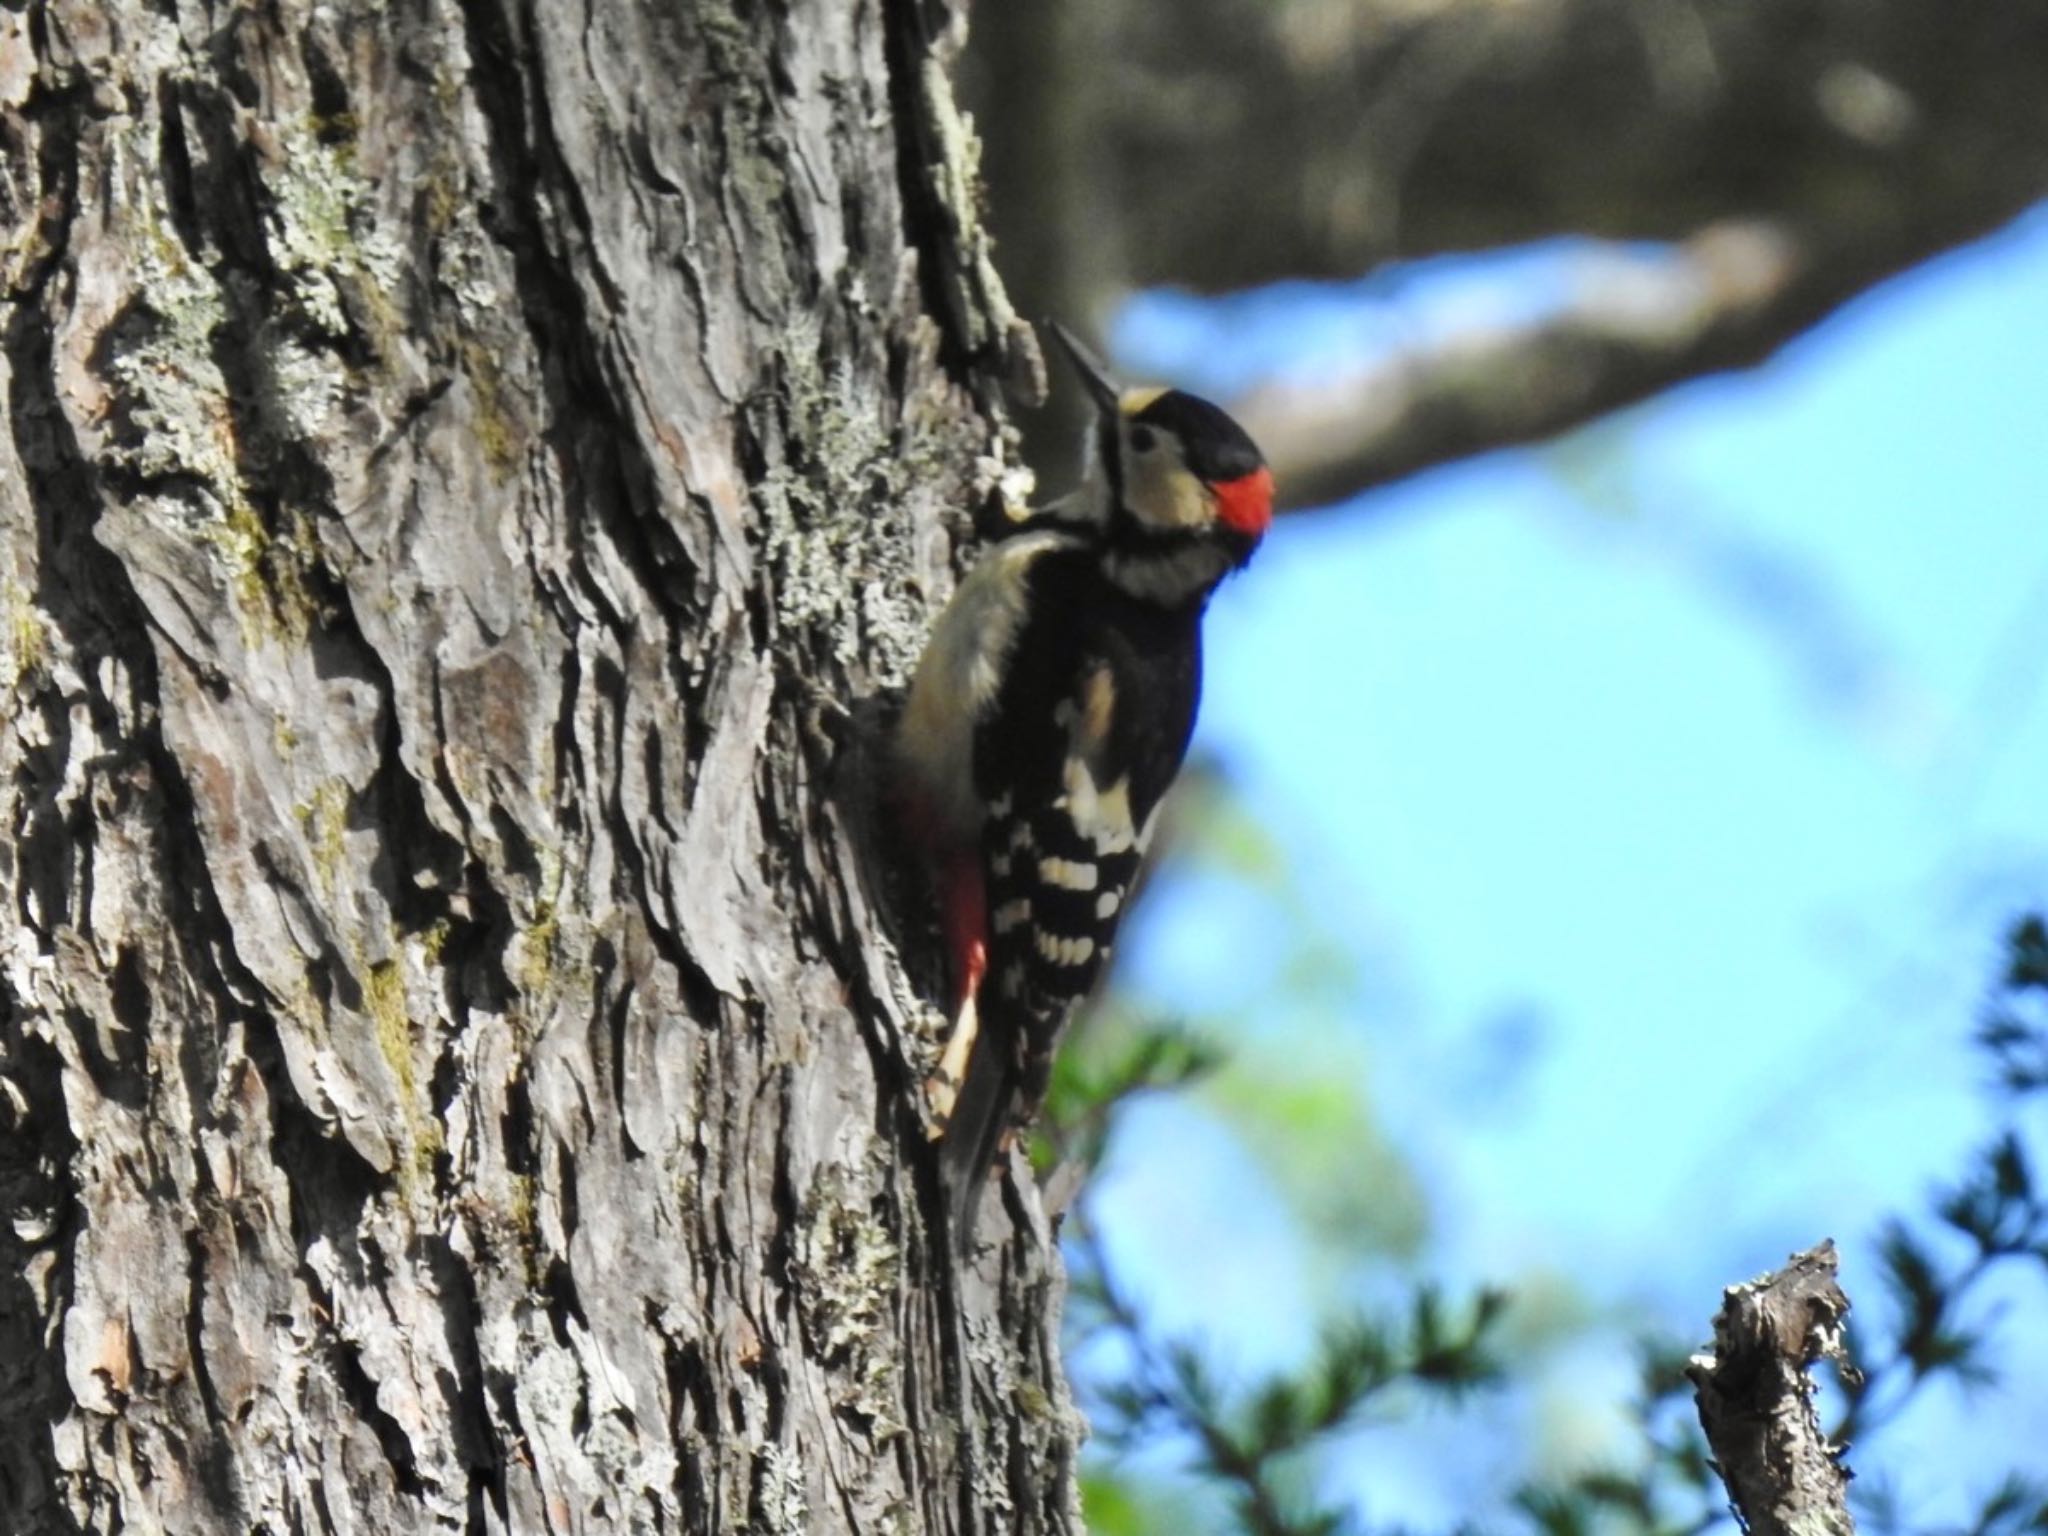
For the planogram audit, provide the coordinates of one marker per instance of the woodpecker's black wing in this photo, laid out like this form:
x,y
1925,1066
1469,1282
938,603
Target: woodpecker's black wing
x,y
1083,739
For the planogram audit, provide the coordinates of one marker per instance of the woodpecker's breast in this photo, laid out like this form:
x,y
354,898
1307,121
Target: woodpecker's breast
x,y
960,679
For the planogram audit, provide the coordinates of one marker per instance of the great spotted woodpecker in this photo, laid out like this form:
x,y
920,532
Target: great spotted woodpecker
x,y
1049,714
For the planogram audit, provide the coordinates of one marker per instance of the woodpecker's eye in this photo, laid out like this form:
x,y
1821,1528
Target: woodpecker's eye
x,y
1143,439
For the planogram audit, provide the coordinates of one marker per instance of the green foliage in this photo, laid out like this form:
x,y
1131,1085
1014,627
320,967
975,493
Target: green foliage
x,y
1940,1329
1123,1503
1258,1442
1314,1133
2015,1027
1251,1439
1116,1058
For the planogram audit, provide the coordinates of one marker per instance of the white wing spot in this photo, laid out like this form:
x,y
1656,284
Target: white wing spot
x,y
1067,874
1012,914
1058,950
1107,903
1102,816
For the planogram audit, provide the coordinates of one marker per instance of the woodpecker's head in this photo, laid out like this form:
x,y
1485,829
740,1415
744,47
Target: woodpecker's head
x,y
1170,478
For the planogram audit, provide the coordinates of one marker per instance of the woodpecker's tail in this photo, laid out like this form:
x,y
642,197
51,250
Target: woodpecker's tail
x,y
982,1112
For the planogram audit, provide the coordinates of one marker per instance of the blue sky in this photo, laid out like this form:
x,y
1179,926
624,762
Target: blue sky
x,y
1669,786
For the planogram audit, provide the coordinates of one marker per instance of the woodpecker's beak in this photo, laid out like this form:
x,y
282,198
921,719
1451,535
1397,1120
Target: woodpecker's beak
x,y
1100,386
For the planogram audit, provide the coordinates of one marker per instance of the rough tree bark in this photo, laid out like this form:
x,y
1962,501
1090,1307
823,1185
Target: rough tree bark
x,y
470,470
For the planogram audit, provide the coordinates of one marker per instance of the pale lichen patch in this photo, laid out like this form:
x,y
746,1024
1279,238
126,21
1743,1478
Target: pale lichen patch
x,y
780,1501
323,233
175,398
848,1268
840,534
990,1352
177,422
310,388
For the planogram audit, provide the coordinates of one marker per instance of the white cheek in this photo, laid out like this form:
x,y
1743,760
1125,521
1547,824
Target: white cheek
x,y
1163,494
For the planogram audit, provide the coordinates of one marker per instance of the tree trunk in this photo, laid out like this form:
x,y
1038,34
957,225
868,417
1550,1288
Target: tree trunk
x,y
474,471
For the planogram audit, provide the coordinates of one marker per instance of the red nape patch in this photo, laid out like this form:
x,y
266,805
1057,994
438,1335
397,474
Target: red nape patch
x,y
1246,503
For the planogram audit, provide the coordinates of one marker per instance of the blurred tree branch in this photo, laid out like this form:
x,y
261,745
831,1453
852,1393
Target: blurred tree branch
x,y
1241,141
1634,323
1789,154
1248,141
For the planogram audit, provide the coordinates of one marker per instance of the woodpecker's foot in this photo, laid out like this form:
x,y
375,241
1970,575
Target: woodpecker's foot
x,y
942,1088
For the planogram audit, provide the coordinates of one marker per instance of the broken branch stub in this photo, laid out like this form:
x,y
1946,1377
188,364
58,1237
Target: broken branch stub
x,y
1755,1397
